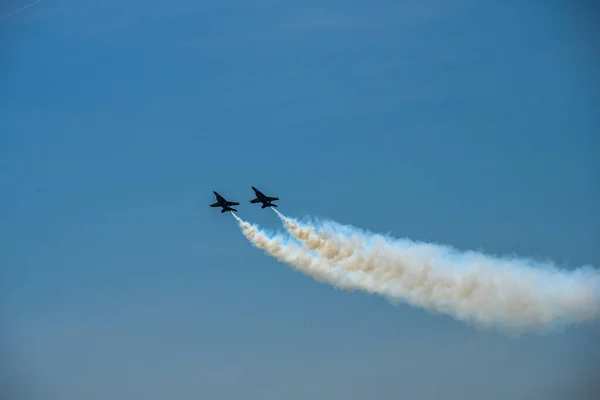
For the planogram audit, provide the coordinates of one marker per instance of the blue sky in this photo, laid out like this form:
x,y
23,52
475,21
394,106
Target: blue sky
x,y
472,124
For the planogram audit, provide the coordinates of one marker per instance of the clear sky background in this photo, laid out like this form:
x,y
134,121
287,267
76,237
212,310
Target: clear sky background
x,y
469,123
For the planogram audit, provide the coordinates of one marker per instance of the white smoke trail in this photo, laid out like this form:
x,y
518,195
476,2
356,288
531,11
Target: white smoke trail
x,y
513,295
298,257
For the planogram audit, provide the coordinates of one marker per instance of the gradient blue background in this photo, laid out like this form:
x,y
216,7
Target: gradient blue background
x,y
469,123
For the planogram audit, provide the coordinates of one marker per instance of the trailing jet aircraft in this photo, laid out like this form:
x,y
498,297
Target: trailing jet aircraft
x,y
261,198
221,202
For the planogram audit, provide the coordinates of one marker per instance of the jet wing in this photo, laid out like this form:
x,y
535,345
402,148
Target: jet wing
x,y
232,203
219,197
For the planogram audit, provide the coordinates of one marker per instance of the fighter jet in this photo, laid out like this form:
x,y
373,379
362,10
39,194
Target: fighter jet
x,y
221,202
261,198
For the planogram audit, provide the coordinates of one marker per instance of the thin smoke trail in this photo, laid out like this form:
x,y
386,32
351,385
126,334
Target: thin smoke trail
x,y
515,295
18,11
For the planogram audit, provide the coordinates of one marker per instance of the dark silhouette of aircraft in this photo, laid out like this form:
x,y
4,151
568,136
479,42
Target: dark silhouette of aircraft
x,y
221,202
261,198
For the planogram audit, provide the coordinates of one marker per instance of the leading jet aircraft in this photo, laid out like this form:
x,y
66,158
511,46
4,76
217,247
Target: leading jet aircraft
x,y
221,202
261,198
